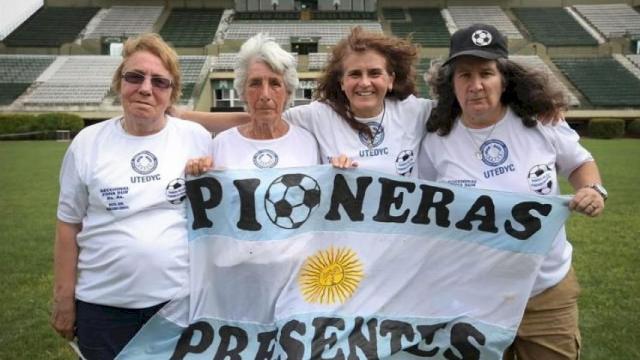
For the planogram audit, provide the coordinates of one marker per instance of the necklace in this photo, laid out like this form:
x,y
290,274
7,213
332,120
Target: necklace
x,y
478,151
374,135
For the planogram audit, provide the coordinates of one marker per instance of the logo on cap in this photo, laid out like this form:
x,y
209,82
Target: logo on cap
x,y
481,37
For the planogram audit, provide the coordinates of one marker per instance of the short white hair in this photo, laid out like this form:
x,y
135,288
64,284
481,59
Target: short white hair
x,y
262,47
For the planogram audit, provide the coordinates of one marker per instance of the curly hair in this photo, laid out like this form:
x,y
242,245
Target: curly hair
x,y
528,92
400,56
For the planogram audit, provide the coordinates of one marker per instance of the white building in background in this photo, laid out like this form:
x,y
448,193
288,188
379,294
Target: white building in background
x,y
13,13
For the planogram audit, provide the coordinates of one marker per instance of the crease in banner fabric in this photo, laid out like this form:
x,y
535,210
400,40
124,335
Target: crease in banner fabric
x,y
320,263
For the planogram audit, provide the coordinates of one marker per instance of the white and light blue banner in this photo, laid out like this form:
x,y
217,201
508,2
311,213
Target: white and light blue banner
x,y
319,263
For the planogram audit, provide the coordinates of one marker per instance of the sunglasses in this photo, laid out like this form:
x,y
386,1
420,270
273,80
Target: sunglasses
x,y
156,81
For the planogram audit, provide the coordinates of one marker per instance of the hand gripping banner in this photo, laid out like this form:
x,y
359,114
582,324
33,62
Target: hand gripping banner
x,y
319,263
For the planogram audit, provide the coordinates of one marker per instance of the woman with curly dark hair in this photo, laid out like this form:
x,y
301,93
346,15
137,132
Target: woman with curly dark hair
x,y
365,109
484,133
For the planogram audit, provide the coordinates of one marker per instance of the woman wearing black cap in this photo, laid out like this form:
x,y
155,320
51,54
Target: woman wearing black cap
x,y
484,133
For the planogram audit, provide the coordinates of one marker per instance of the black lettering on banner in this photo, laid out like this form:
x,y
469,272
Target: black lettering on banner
x,y
267,345
388,197
225,333
199,205
320,341
427,202
427,332
184,346
460,334
292,347
369,347
521,212
487,221
342,195
397,330
246,191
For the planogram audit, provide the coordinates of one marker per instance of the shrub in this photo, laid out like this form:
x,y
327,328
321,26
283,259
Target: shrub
x,y
606,128
44,126
633,128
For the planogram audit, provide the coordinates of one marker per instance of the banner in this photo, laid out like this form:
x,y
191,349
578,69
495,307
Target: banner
x,y
319,263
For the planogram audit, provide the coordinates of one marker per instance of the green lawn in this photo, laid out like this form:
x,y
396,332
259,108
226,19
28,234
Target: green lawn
x,y
606,254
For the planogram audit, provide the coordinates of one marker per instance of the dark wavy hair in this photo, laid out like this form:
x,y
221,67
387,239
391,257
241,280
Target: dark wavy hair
x,y
528,92
401,57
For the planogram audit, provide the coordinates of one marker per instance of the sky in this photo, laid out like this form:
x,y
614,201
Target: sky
x,y
14,12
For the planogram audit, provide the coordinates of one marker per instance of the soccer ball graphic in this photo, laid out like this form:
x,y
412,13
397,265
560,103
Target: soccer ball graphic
x,y
540,179
481,37
290,199
176,191
405,162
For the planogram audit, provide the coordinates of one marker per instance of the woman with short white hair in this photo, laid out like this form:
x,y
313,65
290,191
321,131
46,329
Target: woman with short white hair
x,y
266,79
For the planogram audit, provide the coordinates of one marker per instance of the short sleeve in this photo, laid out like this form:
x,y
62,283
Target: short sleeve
x,y
426,168
74,195
570,154
300,116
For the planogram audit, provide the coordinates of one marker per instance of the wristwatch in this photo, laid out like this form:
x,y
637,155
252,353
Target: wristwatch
x,y
600,189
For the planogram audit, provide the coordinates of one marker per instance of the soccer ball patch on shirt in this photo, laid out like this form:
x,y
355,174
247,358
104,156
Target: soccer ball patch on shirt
x,y
540,179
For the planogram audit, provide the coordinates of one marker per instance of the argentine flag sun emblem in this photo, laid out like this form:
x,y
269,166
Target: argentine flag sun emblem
x,y
330,276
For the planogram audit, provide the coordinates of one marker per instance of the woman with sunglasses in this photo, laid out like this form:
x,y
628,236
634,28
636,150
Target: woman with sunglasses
x,y
121,234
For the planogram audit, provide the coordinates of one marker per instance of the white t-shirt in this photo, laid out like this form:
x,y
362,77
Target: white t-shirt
x,y
232,150
513,158
128,192
398,132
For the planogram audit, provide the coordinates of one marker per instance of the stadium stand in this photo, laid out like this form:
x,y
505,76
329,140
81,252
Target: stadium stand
x,y
227,61
465,16
317,61
554,27
427,28
75,80
343,15
391,14
635,59
329,32
18,72
611,20
603,81
191,27
421,68
51,27
194,70
267,15
537,63
125,21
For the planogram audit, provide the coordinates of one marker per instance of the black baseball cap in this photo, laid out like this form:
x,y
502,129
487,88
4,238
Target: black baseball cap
x,y
479,40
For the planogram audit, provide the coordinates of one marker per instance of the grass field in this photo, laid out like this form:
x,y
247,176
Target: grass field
x,y
606,253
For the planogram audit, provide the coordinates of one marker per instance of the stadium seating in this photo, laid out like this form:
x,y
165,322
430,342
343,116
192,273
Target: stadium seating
x,y
344,15
635,59
125,21
329,32
390,14
51,27
18,72
227,61
427,28
75,80
537,63
267,15
554,27
317,61
191,27
611,20
603,81
193,70
421,68
465,16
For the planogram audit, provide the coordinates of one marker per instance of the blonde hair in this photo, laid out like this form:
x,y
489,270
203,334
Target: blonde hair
x,y
154,44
